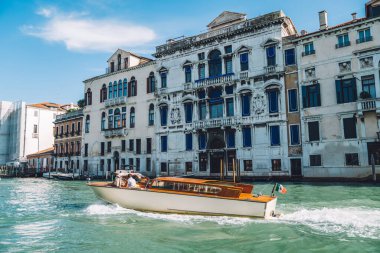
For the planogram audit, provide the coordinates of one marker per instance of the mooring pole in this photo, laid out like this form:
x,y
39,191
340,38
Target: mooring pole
x,y
221,169
373,168
233,169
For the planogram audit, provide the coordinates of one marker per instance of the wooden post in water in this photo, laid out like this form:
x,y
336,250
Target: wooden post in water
x,y
233,170
373,168
221,169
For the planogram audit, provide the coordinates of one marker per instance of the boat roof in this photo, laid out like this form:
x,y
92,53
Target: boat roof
x,y
186,180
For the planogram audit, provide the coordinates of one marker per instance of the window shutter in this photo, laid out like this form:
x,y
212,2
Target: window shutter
x,y
353,80
317,86
338,91
147,86
135,87
129,89
304,97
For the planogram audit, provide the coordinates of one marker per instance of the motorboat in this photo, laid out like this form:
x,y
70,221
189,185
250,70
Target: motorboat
x,y
185,196
66,176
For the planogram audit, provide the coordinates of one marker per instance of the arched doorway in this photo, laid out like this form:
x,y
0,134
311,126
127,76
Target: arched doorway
x,y
116,160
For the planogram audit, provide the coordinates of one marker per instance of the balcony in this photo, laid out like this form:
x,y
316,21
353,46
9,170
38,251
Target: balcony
x,y
366,105
270,69
364,39
114,132
213,80
243,75
116,101
343,44
69,115
310,52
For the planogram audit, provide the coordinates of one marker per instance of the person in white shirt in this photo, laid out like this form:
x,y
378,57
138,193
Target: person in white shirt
x,y
131,181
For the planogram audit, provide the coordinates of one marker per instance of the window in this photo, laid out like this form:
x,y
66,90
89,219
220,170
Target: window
x,y
103,93
311,96
149,145
343,41
246,104
103,122
368,86
131,167
125,85
35,129
88,97
352,159
117,118
110,118
230,138
164,143
244,62
276,164
102,148
247,138
148,164
228,65
202,110
123,116
201,56
109,146
122,145
202,140
115,89
189,142
309,49
87,124
294,134
122,163
315,160
187,74
273,101
349,127
120,89
132,87
132,118
313,128
215,63
229,89
150,83
247,165
79,127
108,164
189,167
275,135
230,107
118,61
131,145
216,103
364,36
188,112
163,80
201,71
35,113
346,90
151,115
290,57
164,167
228,49
85,150
137,164
110,92
271,55
126,62
292,100
102,165
164,115
138,146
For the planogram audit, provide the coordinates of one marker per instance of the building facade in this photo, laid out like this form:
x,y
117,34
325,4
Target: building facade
x,y
39,162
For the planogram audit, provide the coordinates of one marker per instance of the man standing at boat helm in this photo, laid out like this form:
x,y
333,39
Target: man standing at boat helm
x,y
131,181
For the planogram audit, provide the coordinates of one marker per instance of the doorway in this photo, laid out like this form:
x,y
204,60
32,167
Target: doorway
x,y
216,159
295,167
116,157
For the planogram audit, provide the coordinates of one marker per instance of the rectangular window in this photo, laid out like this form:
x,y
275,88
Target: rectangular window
x,y
273,101
313,128
247,165
131,164
228,65
109,145
230,137
35,129
102,148
202,139
343,41
271,56
137,164
364,36
309,49
315,160
202,110
122,145
164,143
228,49
138,146
164,167
189,166
275,135
149,145
108,164
131,145
122,163
85,149
164,115
230,107
101,165
148,164
311,96
349,126
202,162
201,56
188,112
292,100
201,71
244,62
352,159
294,134
189,142
346,90
163,80
276,164
368,87
247,137
187,74
245,104
290,57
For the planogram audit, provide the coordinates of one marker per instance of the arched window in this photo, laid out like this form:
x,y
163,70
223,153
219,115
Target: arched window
x,y
187,74
88,97
150,83
272,100
125,84
124,116
110,92
120,89
103,93
215,63
110,118
103,122
188,107
116,118
132,118
132,87
115,89
151,115
164,115
118,61
246,104
87,124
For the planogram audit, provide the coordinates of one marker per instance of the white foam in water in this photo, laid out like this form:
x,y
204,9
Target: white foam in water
x,y
355,222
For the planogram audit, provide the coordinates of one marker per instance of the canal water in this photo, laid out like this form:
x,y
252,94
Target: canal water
x,y
38,215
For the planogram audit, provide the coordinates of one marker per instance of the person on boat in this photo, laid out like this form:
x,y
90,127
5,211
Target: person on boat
x,y
131,181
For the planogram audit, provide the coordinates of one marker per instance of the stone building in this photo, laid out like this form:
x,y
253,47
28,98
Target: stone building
x,y
41,161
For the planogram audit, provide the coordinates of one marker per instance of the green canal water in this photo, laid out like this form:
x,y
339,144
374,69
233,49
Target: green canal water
x,y
38,215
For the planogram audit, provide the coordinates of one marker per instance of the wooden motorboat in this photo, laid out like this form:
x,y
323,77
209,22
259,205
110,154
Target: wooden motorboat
x,y
186,196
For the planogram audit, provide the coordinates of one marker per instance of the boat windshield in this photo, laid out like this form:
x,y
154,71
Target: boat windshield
x,y
186,187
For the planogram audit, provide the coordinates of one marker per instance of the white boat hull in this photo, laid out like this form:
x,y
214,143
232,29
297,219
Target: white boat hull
x,y
146,200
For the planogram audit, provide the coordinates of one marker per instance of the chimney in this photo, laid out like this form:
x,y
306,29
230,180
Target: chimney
x,y
353,15
303,32
323,20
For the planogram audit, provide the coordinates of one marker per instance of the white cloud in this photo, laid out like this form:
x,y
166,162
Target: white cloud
x,y
81,33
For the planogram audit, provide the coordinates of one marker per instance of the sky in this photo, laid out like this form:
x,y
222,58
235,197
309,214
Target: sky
x,y
48,47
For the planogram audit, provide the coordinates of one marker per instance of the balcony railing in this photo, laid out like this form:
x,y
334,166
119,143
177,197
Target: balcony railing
x,y
116,101
69,115
243,75
310,52
364,39
270,69
213,80
109,133
368,105
344,44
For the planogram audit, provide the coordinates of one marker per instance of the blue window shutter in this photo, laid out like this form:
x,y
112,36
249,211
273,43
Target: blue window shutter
x,y
338,91
318,90
304,97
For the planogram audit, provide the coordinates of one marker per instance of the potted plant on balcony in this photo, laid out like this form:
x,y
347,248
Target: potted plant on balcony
x,y
364,95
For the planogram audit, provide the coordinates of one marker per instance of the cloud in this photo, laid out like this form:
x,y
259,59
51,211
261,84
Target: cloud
x,y
81,33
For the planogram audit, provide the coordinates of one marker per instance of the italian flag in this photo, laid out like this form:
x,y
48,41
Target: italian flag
x,y
281,189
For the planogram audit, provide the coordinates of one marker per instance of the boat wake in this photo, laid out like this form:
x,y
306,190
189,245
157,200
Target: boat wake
x,y
351,221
